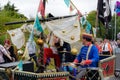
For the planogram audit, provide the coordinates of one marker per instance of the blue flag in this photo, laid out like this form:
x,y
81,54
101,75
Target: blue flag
x,y
31,36
20,65
37,24
67,2
88,28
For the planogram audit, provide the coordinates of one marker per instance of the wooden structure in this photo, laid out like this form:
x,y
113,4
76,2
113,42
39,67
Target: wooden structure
x,y
23,75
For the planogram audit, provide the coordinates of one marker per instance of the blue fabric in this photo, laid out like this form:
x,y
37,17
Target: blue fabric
x,y
37,24
67,2
93,55
88,27
20,65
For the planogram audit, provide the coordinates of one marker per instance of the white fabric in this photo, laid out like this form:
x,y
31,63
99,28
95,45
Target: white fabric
x,y
26,27
65,29
31,46
105,47
17,37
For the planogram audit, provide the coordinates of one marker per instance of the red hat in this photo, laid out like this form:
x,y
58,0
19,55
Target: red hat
x,y
7,41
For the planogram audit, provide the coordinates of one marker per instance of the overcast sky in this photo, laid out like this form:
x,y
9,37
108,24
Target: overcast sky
x,y
56,7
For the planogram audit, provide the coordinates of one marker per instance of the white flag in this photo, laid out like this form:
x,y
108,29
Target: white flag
x,y
17,37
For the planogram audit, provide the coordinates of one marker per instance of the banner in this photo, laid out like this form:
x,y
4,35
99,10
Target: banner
x,y
67,29
17,37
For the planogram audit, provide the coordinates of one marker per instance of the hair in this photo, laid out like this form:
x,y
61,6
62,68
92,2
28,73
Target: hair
x,y
87,39
7,41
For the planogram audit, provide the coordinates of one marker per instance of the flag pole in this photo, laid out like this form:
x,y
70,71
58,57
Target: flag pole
x,y
115,28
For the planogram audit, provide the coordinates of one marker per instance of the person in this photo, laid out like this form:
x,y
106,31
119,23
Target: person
x,y
3,52
31,46
52,52
87,57
10,48
106,48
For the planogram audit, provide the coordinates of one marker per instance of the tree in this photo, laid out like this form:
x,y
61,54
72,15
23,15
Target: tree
x,y
8,14
112,23
92,19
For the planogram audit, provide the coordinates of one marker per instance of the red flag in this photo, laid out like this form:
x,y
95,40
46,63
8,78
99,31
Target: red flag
x,y
79,14
41,8
71,7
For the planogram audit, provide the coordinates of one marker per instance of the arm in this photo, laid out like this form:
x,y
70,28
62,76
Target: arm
x,y
95,54
6,53
78,58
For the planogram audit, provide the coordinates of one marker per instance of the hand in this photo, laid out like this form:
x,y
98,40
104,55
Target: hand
x,y
13,59
86,62
72,64
82,62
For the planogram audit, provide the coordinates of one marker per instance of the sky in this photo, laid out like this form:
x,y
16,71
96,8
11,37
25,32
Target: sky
x,y
56,7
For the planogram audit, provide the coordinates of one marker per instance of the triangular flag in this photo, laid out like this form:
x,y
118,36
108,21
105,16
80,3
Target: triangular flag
x,y
31,36
20,65
41,8
26,54
88,28
67,2
37,24
83,20
71,7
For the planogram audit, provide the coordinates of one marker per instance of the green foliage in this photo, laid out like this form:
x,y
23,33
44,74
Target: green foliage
x,y
93,21
112,25
92,18
9,14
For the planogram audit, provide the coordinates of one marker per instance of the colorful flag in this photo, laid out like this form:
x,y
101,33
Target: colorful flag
x,y
71,7
37,24
83,20
41,8
20,65
67,2
104,11
88,28
117,8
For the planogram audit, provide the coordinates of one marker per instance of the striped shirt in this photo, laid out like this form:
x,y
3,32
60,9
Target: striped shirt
x,y
2,51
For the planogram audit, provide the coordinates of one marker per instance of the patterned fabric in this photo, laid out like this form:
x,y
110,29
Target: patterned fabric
x,y
2,51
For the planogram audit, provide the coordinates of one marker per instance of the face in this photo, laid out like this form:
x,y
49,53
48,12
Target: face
x,y
6,45
83,41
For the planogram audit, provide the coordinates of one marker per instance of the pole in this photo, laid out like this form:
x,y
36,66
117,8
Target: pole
x,y
42,20
115,28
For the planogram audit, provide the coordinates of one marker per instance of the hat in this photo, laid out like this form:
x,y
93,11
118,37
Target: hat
x,y
7,41
87,36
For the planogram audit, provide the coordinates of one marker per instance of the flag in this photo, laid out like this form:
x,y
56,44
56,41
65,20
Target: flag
x,y
94,32
117,8
20,65
17,37
83,20
37,24
104,11
88,28
67,2
41,8
71,7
